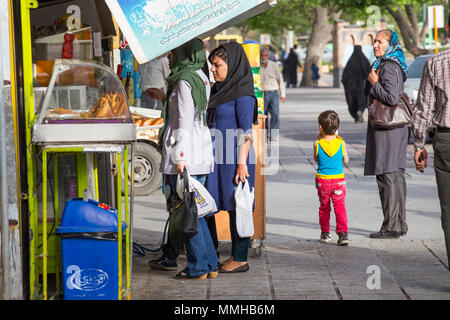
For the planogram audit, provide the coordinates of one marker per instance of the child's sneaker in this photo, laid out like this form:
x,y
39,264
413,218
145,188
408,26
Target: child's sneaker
x,y
325,237
343,239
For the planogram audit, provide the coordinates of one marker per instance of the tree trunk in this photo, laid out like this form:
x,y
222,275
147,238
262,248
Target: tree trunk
x,y
321,34
412,35
244,30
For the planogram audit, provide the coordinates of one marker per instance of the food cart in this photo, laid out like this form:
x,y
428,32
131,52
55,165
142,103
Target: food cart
x,y
78,131
96,121
78,126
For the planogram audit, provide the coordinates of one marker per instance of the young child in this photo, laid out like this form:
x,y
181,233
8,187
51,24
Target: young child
x,y
329,153
315,75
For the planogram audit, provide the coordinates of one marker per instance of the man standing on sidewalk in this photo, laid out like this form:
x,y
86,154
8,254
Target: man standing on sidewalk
x,y
433,104
273,86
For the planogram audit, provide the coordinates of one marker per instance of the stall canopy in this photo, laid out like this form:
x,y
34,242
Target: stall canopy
x,y
93,13
153,27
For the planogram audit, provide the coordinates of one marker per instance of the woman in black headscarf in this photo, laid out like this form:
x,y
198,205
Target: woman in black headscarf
x,y
290,69
354,79
232,108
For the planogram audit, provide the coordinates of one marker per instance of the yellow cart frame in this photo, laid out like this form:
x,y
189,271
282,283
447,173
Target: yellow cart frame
x,y
123,211
40,290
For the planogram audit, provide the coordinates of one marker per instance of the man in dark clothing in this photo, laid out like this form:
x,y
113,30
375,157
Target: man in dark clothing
x,y
290,68
433,107
354,80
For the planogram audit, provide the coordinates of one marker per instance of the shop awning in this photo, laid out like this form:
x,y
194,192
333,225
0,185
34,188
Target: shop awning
x,y
93,13
153,27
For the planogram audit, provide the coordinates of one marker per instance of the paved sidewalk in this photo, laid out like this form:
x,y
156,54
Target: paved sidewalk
x,y
293,264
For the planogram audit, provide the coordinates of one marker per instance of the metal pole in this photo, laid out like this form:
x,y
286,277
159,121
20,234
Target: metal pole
x,y
4,191
127,220
44,224
435,31
131,225
119,217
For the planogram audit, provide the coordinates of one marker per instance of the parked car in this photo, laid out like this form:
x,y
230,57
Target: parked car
x,y
430,44
411,88
327,55
414,73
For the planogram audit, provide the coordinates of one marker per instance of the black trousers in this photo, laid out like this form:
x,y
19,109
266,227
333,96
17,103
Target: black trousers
x,y
441,146
392,189
171,249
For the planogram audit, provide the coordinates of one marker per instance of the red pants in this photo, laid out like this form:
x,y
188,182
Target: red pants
x,y
332,190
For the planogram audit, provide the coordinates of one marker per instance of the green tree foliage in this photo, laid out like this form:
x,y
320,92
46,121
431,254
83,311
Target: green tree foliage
x,y
407,14
293,15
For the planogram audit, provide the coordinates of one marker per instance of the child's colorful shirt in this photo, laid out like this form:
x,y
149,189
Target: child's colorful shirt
x,y
329,158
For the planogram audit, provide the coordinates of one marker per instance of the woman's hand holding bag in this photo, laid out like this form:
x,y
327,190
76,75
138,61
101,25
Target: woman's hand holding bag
x,y
244,209
205,202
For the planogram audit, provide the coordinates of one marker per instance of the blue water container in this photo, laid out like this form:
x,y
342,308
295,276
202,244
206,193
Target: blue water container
x,y
89,250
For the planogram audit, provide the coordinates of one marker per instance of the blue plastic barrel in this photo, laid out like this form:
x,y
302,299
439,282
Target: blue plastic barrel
x,y
89,250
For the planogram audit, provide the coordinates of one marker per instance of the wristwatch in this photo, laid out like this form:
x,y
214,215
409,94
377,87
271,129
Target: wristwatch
x,y
418,148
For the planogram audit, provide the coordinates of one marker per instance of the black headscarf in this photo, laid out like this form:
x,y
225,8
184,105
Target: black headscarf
x,y
239,80
357,68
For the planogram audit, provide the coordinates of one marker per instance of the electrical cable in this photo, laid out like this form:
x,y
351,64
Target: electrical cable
x,y
140,250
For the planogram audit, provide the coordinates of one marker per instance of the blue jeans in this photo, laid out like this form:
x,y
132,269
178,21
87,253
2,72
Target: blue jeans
x,y
272,106
200,251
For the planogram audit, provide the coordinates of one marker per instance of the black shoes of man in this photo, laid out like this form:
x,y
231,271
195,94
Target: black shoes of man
x,y
163,264
387,234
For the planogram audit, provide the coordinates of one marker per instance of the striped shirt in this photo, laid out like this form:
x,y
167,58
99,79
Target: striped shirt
x,y
433,99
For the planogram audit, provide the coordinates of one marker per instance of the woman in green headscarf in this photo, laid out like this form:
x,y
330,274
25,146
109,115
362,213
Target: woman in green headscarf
x,y
185,143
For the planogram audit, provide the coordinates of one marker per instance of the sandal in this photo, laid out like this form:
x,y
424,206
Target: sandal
x,y
225,261
184,275
213,274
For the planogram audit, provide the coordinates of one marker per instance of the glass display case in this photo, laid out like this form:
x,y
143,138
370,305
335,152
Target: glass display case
x,y
97,112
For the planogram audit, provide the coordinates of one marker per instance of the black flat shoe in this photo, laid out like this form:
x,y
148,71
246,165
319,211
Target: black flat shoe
x,y
385,235
184,275
243,268
403,233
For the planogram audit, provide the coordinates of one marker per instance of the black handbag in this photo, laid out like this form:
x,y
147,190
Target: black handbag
x,y
382,116
183,214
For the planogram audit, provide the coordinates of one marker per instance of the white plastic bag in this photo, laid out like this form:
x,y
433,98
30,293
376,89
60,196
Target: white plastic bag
x,y
244,209
205,202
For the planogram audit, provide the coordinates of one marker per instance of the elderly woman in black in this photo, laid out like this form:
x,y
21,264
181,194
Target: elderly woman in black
x,y
386,148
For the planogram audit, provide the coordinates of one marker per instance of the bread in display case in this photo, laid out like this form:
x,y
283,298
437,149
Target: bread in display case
x,y
99,113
